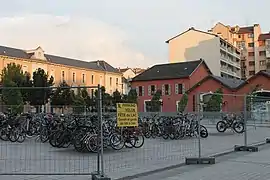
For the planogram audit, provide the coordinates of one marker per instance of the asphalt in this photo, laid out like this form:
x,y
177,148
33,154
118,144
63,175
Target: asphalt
x,y
38,161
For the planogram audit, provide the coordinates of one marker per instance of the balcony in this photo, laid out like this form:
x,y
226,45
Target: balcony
x,y
229,61
228,71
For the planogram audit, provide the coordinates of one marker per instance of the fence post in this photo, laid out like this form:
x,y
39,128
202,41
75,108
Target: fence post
x,y
246,147
101,132
199,124
245,120
199,159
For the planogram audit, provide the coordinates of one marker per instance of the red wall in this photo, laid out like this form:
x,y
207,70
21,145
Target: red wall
x,y
169,101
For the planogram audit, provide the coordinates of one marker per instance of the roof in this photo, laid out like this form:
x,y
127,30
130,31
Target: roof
x,y
169,71
263,37
193,29
226,82
125,69
99,65
244,30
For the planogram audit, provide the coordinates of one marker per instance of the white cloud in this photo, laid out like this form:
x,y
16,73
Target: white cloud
x,y
75,37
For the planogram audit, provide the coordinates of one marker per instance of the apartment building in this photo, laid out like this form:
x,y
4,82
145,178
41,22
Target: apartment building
x,y
74,72
222,57
246,39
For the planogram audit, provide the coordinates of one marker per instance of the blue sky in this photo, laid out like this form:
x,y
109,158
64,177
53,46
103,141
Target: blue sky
x,y
122,32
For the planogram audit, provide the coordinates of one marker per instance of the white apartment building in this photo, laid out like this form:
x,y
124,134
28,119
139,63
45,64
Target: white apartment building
x,y
222,58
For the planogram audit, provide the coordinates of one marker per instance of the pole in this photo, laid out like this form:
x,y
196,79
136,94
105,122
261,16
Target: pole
x,y
199,124
101,132
245,119
99,119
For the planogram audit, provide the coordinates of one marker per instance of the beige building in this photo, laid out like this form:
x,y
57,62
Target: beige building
x,y
222,57
74,72
246,39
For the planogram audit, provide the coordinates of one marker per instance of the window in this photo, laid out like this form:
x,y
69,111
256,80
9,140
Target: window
x,y
251,63
193,103
92,79
179,89
251,35
110,81
83,78
250,44
262,63
250,54
166,89
73,77
116,81
251,73
141,91
262,53
63,75
239,36
153,89
261,43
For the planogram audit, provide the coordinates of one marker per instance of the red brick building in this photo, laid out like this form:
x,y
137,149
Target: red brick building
x,y
172,79
193,78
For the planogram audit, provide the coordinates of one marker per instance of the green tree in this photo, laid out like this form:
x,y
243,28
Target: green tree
x,y
132,97
116,97
41,79
12,76
183,103
62,96
215,102
26,93
106,98
87,98
155,104
79,105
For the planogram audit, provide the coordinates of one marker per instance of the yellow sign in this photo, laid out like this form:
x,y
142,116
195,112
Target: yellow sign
x,y
127,115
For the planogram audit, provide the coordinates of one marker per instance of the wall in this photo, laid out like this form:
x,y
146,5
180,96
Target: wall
x,y
129,74
223,31
113,84
194,45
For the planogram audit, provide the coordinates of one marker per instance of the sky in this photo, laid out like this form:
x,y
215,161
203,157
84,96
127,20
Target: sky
x,y
124,33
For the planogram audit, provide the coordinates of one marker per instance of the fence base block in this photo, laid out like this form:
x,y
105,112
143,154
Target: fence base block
x,y
202,160
267,140
246,148
99,177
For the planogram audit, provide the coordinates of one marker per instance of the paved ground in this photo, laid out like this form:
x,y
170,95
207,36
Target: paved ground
x,y
234,166
32,157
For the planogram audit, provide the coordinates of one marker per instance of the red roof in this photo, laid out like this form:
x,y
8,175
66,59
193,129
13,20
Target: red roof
x,y
263,37
244,30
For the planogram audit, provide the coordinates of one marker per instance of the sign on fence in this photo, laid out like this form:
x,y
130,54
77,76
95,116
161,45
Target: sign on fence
x,y
127,115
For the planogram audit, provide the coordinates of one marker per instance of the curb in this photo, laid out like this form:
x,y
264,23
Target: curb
x,y
143,174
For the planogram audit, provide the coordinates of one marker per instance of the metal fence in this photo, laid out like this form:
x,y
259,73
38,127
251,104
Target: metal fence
x,y
159,150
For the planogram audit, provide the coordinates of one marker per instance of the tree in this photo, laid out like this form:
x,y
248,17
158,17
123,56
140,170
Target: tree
x,y
41,79
215,102
116,97
86,97
62,96
106,98
183,103
155,104
79,102
26,93
12,76
132,97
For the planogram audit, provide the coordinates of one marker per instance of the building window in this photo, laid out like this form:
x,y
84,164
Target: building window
x,y
92,79
251,73
193,103
141,91
63,75
262,63
167,89
251,54
251,35
110,81
239,36
250,44
116,81
83,78
261,43
153,89
73,77
251,63
262,53
179,88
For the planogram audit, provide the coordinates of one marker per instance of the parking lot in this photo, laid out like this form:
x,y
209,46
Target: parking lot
x,y
43,161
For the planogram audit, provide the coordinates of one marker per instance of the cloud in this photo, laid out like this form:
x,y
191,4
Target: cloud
x,y
76,37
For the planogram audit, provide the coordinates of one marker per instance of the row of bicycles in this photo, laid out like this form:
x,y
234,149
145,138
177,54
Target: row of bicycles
x,y
63,131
